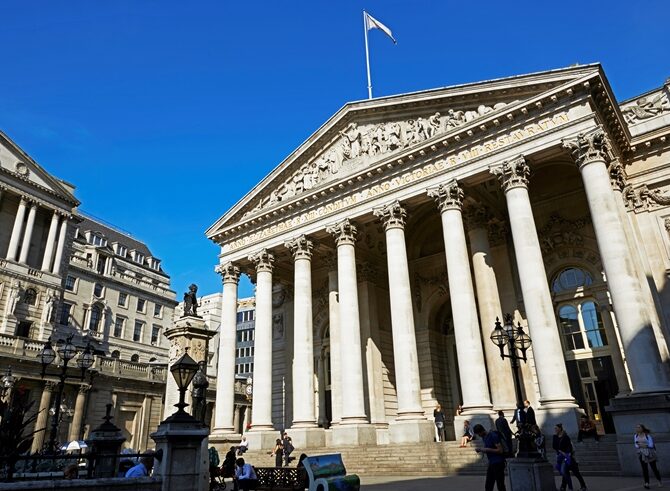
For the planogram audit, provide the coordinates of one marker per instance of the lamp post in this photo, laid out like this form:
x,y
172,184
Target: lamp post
x,y
183,371
517,342
66,351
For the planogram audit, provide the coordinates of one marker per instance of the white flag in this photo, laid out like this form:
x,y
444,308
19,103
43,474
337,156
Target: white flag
x,y
372,23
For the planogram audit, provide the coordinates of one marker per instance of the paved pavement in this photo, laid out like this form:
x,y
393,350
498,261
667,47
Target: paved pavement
x,y
476,483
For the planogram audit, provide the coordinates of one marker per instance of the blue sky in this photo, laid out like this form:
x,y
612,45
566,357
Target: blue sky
x,y
165,113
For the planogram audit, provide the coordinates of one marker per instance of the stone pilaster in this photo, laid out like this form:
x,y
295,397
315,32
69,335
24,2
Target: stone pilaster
x,y
62,234
13,248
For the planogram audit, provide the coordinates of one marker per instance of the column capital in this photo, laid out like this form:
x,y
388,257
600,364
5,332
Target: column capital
x,y
512,173
84,389
448,196
263,261
392,215
344,232
300,247
49,385
587,148
229,273
617,175
476,215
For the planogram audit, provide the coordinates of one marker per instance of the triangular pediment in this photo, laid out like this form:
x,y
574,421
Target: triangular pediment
x,y
364,133
18,168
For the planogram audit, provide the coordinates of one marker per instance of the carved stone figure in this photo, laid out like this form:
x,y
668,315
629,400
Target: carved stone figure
x,y
49,304
14,296
191,301
454,119
646,108
352,136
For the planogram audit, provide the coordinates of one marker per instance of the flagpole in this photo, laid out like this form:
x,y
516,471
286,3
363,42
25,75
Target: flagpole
x,y
367,54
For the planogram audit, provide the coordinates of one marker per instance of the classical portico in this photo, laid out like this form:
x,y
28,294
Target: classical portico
x,y
384,248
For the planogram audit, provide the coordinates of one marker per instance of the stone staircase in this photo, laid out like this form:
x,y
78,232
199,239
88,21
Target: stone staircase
x,y
442,459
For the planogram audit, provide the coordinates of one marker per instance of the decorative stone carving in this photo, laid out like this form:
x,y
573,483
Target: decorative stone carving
x,y
263,261
229,273
13,297
278,295
587,148
191,301
344,232
666,224
476,215
175,351
364,142
617,175
641,198
278,326
392,215
49,303
512,174
447,196
646,107
300,247
560,232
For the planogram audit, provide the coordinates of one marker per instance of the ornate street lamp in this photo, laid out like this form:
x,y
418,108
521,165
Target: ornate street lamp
x,y
183,371
66,352
517,342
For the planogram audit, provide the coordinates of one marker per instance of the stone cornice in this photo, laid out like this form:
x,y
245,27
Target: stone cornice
x,y
392,215
22,193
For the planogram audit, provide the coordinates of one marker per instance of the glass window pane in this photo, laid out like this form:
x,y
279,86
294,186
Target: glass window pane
x,y
595,331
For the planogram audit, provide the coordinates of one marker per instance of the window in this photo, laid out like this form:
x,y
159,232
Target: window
x,y
141,304
155,331
571,279
100,265
123,299
239,336
23,329
97,290
65,312
30,297
118,326
567,316
158,309
152,359
69,283
582,326
96,316
116,354
593,325
121,250
137,332
135,358
97,240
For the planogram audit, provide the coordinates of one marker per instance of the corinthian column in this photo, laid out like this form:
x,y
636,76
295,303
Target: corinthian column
x,y
304,414
262,395
51,242
591,153
474,385
78,417
61,245
552,376
225,372
28,234
335,341
488,299
408,383
42,417
16,230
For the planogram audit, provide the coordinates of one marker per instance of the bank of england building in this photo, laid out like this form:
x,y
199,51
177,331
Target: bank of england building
x,y
386,245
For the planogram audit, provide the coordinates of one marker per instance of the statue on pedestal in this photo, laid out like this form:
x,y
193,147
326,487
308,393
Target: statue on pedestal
x,y
191,301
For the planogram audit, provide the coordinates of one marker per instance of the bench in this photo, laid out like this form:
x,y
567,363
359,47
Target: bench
x,y
281,478
327,472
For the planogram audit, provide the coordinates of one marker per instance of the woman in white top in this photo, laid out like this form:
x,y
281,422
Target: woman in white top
x,y
646,451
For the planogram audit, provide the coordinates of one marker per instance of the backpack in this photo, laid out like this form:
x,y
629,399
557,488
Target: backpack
x,y
507,452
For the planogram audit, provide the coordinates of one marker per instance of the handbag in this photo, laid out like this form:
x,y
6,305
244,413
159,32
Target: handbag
x,y
647,454
439,425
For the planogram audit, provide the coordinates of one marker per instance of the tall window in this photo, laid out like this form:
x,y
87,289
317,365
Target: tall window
x,y
65,312
155,331
118,327
141,304
123,299
96,316
137,332
69,283
158,309
97,290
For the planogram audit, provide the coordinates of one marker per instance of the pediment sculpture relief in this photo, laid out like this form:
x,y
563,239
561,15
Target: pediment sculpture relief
x,y
359,144
646,107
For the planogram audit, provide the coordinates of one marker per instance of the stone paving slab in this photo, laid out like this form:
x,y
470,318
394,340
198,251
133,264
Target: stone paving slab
x,y
476,483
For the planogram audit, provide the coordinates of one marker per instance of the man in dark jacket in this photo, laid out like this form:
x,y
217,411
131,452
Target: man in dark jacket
x,y
502,426
530,413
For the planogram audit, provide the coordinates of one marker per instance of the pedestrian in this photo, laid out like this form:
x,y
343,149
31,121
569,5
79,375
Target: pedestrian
x,y
459,409
142,469
587,428
468,435
438,415
646,451
495,472
278,452
502,426
530,413
540,441
228,466
214,462
243,446
519,417
245,476
565,459
287,446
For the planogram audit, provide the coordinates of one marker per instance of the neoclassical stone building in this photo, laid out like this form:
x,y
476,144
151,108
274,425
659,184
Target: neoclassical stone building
x,y
384,248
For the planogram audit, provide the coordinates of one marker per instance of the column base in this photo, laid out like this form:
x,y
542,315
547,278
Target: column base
x,y
262,439
307,437
653,411
222,440
354,434
411,431
530,475
567,414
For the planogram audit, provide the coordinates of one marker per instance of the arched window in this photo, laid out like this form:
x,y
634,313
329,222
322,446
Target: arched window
x,y
570,279
96,316
135,358
116,354
30,297
152,359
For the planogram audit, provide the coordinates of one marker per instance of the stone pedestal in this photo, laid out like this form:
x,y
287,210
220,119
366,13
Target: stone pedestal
x,y
187,332
181,443
651,410
354,434
411,431
530,475
106,439
307,437
262,439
